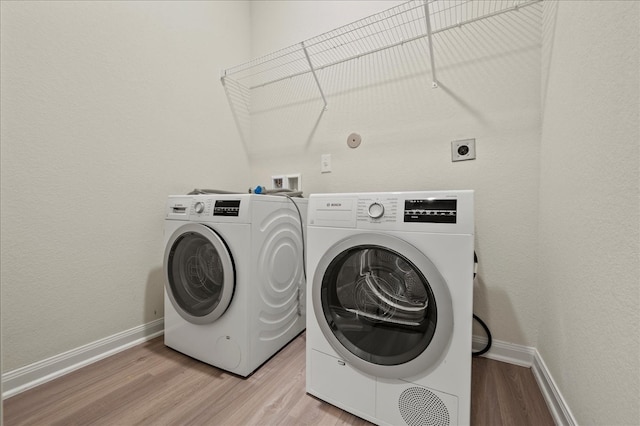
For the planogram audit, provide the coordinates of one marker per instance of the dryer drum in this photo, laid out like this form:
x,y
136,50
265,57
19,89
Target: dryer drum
x,y
401,285
378,304
381,291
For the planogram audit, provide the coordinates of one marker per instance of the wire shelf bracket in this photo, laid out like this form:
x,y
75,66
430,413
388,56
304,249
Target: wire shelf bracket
x,y
427,16
315,77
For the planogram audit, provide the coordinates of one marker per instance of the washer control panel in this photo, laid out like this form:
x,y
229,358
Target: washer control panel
x,y
212,207
226,208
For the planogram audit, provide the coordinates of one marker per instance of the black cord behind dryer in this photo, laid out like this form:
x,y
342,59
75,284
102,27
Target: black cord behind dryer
x,y
489,339
477,318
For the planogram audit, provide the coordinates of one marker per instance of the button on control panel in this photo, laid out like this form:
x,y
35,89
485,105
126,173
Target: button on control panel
x,y
377,210
201,207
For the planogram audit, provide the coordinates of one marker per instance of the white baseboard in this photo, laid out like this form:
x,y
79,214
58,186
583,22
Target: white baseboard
x,y
558,407
29,376
505,352
526,356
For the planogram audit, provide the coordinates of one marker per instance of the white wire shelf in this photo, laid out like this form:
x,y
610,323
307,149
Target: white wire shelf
x,y
406,22
304,68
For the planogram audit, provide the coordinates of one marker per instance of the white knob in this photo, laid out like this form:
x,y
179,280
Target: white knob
x,y
376,210
199,207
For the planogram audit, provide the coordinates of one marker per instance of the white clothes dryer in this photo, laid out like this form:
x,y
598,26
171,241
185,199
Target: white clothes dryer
x,y
234,277
390,304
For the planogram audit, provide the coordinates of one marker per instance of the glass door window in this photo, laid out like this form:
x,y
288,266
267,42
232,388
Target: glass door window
x,y
378,305
200,274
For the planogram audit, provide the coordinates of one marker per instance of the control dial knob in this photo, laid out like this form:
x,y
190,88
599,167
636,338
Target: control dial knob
x,y
376,210
199,207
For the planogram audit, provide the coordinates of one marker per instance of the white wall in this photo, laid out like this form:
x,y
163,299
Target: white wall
x,y
589,209
489,76
107,108
277,24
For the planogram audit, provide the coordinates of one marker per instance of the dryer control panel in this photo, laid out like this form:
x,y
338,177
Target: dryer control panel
x,y
420,211
430,210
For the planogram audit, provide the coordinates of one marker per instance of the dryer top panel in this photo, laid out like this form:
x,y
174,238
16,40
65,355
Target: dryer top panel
x,y
422,211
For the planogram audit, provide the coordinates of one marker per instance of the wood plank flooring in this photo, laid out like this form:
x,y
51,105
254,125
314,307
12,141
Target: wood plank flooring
x,y
151,384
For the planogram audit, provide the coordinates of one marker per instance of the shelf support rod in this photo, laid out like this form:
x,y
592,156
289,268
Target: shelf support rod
x,y
313,71
434,81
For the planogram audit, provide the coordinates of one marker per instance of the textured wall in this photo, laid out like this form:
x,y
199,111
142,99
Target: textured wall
x,y
107,108
489,76
589,209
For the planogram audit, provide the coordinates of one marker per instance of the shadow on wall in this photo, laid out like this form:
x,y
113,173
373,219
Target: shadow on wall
x,y
485,301
473,111
154,295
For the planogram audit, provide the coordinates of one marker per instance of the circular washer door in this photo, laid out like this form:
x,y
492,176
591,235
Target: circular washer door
x,y
200,273
383,306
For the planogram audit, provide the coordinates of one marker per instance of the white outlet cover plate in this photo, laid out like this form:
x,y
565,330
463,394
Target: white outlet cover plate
x,y
464,149
325,163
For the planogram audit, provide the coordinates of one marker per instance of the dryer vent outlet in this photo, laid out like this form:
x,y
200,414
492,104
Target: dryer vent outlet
x,y
419,406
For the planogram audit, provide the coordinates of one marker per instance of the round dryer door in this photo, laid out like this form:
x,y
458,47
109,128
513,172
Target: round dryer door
x,y
383,306
200,273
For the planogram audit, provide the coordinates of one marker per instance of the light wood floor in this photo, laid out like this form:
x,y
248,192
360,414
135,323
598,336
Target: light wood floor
x,y
154,385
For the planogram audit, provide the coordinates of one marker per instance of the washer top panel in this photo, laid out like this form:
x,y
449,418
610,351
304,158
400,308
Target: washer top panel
x,y
224,208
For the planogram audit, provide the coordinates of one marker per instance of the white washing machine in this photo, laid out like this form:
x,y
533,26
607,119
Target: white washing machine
x,y
234,269
390,301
